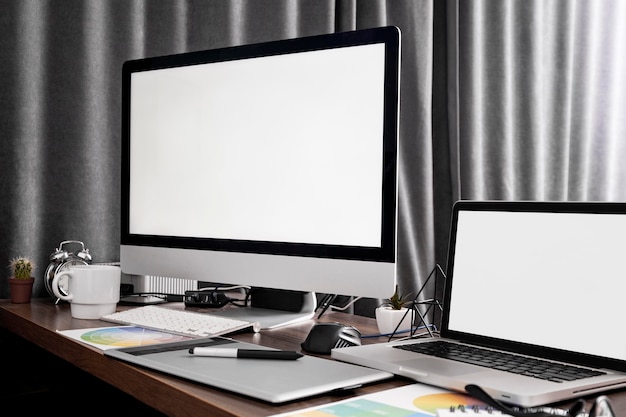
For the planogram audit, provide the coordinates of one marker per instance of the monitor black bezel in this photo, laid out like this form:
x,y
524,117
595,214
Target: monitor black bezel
x,y
388,35
588,207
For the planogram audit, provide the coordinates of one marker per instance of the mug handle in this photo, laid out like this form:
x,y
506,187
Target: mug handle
x,y
55,286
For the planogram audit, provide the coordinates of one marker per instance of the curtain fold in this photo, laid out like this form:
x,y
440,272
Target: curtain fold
x,y
60,114
540,89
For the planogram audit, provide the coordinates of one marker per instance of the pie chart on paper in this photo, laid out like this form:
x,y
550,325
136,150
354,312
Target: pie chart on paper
x,y
442,401
128,336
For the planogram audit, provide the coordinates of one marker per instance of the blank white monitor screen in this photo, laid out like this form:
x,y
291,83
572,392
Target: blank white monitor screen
x,y
272,165
272,143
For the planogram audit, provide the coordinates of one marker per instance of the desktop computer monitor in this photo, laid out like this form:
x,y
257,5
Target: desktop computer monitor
x,y
271,165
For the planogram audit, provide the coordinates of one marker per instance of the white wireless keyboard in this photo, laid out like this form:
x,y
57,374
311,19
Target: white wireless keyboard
x,y
186,323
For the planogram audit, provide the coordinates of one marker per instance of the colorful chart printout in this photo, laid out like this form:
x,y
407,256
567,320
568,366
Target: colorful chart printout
x,y
121,336
415,400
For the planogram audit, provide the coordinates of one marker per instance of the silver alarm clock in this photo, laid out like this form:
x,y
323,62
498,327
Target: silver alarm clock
x,y
61,259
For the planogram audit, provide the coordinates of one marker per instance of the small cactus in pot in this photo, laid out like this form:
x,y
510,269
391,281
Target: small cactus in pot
x,y
21,279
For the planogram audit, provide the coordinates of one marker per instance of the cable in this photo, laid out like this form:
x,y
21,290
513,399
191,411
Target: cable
x,y
480,394
220,288
325,303
426,333
337,308
166,297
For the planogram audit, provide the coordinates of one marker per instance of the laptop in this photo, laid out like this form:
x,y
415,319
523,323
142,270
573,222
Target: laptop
x,y
269,380
544,280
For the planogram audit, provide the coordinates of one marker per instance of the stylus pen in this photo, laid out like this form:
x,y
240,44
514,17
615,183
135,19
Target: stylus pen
x,y
245,353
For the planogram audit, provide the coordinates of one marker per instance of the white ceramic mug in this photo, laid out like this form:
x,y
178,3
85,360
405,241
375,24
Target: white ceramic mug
x,y
92,290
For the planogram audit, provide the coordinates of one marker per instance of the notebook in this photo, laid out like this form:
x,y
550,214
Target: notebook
x,y
540,279
273,381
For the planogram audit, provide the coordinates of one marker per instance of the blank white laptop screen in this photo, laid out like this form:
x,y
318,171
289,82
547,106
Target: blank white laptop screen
x,y
558,279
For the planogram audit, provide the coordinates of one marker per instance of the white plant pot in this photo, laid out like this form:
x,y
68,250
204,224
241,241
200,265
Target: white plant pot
x,y
387,319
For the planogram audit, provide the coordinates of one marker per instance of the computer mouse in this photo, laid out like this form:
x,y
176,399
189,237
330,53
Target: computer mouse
x,y
326,336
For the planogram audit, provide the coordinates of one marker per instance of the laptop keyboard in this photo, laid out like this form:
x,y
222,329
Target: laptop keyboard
x,y
522,365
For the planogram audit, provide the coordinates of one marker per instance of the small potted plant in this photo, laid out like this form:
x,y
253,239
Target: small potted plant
x,y
21,279
392,311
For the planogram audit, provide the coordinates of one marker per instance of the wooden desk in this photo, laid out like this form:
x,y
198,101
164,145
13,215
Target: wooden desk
x,y
38,321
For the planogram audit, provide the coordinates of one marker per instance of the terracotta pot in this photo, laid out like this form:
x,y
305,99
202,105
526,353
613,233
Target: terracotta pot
x,y
21,290
387,319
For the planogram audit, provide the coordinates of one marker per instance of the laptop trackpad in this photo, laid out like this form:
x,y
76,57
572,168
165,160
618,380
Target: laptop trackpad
x,y
438,366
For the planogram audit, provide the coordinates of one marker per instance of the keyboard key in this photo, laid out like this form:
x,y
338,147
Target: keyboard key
x,y
186,323
507,362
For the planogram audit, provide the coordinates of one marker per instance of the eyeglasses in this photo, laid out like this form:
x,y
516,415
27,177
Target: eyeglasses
x,y
601,407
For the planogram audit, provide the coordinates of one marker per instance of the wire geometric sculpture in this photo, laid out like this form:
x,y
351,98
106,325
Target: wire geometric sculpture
x,y
430,303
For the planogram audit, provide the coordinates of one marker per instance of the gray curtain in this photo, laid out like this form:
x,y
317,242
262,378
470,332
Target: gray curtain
x,y
60,107
537,97
499,99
